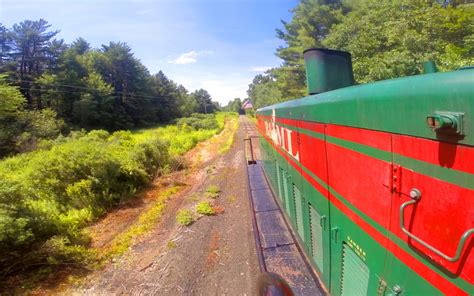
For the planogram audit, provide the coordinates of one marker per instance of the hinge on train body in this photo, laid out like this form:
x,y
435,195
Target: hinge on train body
x,y
396,178
382,287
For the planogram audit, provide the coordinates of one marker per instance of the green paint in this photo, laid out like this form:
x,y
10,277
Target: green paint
x,y
396,106
355,274
377,253
327,69
448,175
316,237
455,177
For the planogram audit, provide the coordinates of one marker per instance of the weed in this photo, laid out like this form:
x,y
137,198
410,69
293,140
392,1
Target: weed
x,y
184,217
168,192
59,190
232,198
230,135
213,191
171,245
194,197
122,242
205,208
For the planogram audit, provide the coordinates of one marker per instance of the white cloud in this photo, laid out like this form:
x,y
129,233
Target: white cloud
x,y
223,90
222,87
260,69
189,57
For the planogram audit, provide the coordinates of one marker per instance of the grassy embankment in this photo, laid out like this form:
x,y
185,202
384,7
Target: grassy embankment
x,y
48,197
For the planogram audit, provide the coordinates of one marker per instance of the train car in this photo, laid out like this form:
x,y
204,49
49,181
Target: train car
x,y
377,179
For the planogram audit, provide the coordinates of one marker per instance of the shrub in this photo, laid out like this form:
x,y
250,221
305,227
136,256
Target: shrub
x,y
205,208
48,196
184,217
199,121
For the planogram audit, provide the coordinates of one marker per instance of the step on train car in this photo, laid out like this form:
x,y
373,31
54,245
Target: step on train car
x,y
377,179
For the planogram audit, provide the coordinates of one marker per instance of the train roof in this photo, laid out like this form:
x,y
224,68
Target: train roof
x,y
398,105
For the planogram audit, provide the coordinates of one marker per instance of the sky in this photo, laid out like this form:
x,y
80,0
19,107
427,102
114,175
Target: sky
x,y
218,45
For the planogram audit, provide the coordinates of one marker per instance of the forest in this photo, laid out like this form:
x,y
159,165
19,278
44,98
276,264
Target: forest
x,y
49,87
387,39
82,130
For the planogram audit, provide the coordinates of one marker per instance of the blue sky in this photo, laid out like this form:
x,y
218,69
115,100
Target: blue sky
x,y
218,45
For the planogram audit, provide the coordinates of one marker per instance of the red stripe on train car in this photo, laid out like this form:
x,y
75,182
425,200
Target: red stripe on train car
x,y
420,268
313,156
457,157
442,216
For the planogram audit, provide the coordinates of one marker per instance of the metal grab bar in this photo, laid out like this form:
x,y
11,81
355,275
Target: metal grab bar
x,y
415,195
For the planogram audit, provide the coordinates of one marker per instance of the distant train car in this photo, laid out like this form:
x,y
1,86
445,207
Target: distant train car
x,y
378,179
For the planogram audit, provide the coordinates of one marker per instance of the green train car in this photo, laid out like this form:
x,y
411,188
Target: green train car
x,y
377,179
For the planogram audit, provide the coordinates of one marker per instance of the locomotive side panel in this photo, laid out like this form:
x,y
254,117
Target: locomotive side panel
x,y
387,168
364,212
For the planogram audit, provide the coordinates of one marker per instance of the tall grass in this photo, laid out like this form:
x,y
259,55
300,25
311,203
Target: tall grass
x,y
48,196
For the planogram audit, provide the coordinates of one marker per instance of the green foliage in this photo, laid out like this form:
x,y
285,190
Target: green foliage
x,y
145,223
386,38
229,133
234,106
203,99
52,193
205,208
12,100
59,250
106,88
199,121
35,126
311,22
171,245
185,217
21,130
213,191
265,91
387,41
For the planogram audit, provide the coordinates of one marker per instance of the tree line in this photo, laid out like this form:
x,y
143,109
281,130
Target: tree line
x,y
386,38
48,86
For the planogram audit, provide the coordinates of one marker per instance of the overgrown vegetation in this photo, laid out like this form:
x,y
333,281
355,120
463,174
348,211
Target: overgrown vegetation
x,y
230,136
48,86
145,222
386,38
205,208
48,196
199,121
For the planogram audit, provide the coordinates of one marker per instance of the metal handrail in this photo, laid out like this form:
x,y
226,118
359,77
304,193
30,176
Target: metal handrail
x,y
415,194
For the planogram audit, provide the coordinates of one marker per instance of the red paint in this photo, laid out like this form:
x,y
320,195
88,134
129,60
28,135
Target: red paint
x,y
374,139
313,156
442,215
348,177
432,277
456,157
312,126
360,180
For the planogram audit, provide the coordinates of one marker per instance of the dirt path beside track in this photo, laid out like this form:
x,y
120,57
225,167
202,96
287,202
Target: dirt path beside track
x,y
213,256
